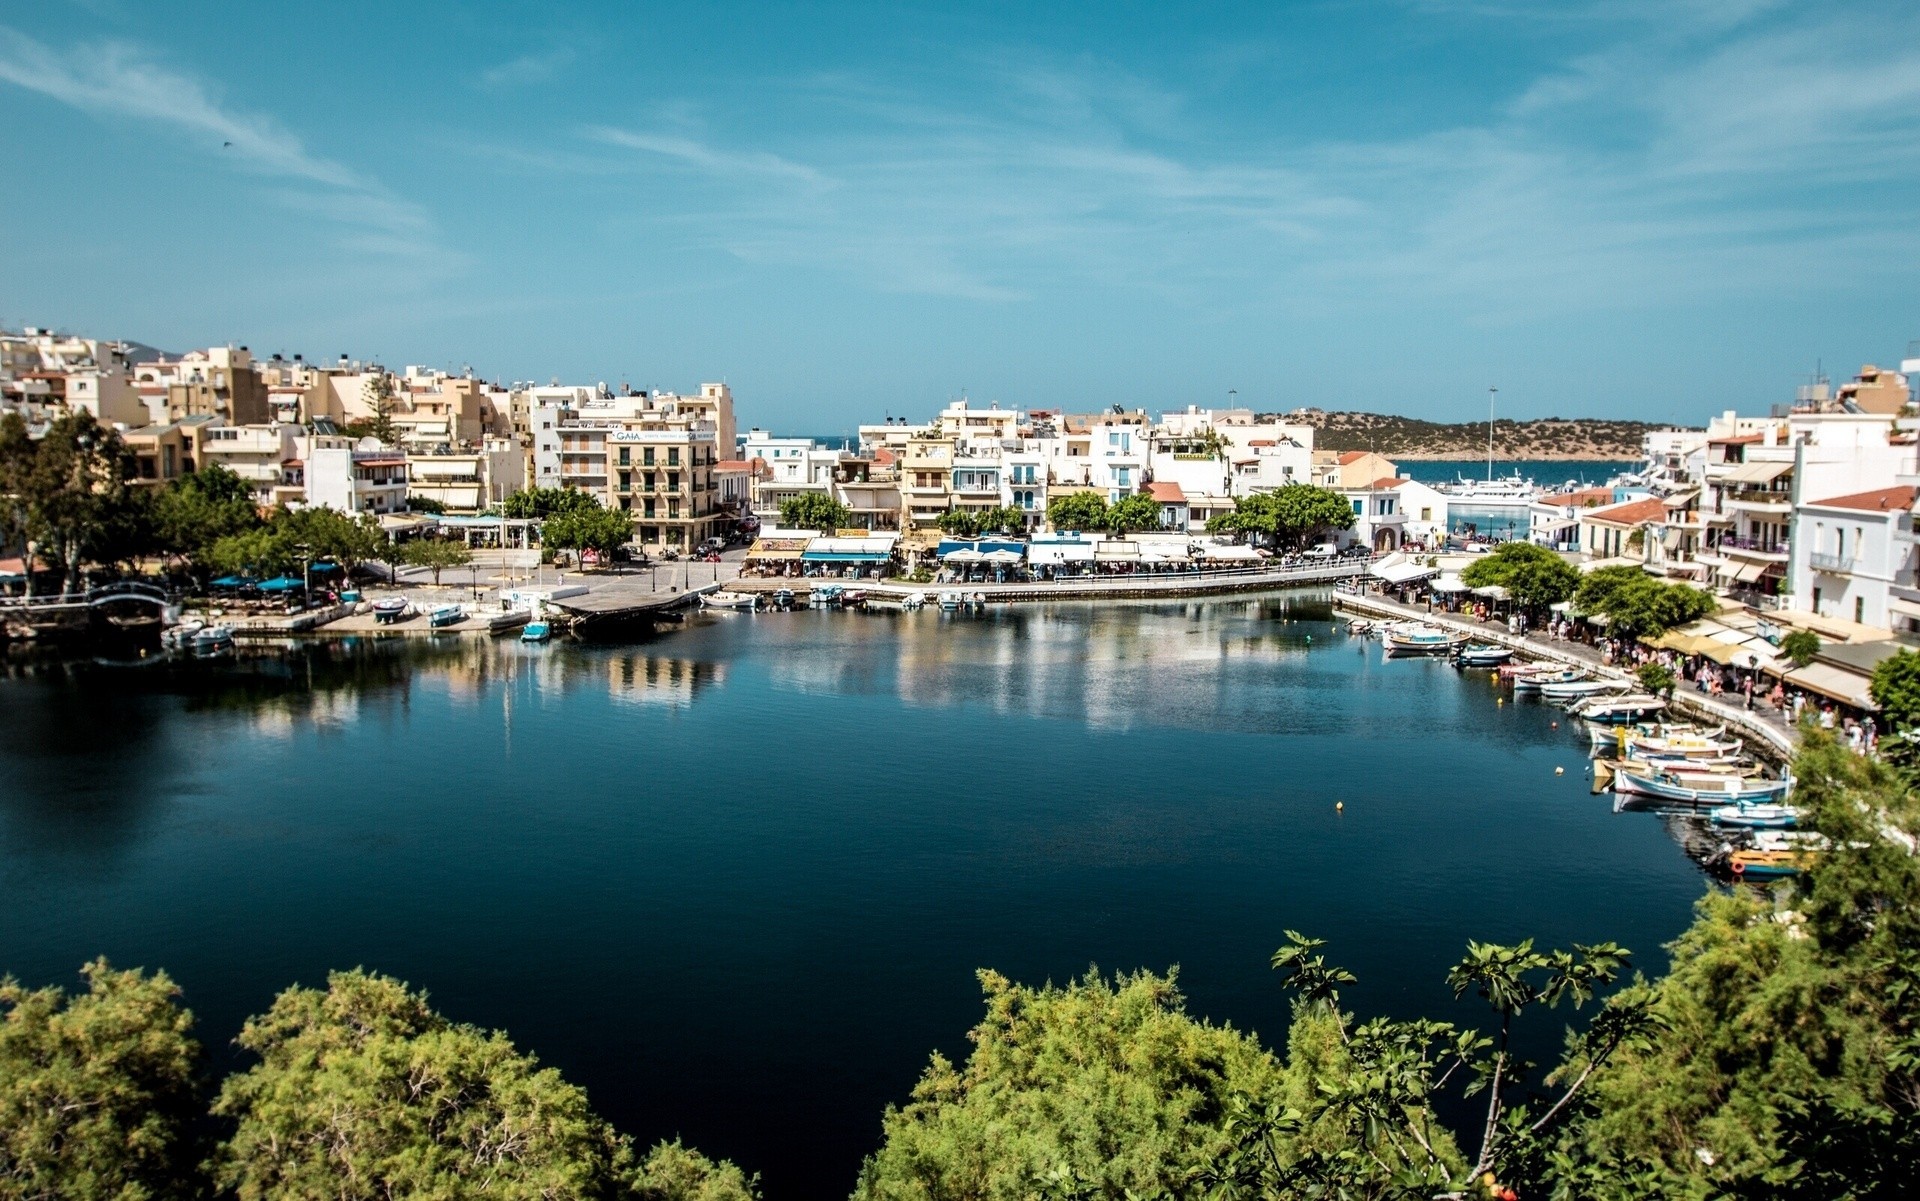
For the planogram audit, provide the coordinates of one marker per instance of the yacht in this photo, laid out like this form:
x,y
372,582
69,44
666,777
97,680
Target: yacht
x,y
1512,491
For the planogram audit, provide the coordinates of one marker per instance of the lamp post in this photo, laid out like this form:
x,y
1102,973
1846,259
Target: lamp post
x,y
306,573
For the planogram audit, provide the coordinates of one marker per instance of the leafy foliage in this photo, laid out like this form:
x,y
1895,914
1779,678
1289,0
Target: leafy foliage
x,y
1656,678
1136,512
1293,515
1100,1088
814,511
1635,603
1800,647
587,527
1533,576
437,554
70,491
971,523
539,503
1077,511
194,512
97,1091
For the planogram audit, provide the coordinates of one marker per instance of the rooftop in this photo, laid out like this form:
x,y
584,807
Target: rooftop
x,y
1878,501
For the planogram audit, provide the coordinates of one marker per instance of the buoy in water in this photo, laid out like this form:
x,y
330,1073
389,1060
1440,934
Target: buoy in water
x,y
1339,806
1556,725
1559,771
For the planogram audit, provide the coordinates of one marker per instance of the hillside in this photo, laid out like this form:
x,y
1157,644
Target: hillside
x,y
1411,438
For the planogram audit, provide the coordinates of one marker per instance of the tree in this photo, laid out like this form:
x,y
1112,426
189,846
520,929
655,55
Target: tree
x,y
378,395
1292,515
1635,603
595,528
540,503
1533,576
814,511
437,554
329,534
426,504
1800,647
97,1091
1656,678
961,523
1136,512
1098,1088
1004,520
199,509
363,1092
255,554
1077,511
70,489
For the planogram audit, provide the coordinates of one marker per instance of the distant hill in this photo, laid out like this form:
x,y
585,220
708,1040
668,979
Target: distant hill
x,y
1411,438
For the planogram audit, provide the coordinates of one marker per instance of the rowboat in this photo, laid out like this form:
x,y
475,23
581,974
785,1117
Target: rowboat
x,y
1699,790
1567,690
1617,710
1535,681
913,600
537,630
390,610
445,615
729,600
1756,817
1757,864
1420,639
855,598
211,640
1688,746
1481,654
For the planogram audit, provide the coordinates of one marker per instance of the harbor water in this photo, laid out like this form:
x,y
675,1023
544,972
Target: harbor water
x,y
736,878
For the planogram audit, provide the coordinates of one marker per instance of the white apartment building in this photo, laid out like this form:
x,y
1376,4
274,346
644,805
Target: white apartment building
x,y
468,480
1850,553
365,478
257,454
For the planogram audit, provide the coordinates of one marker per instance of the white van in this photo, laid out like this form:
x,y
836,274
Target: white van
x,y
1326,550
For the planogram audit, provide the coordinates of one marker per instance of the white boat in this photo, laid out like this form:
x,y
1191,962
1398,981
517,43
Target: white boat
x,y
913,600
1617,710
1477,654
1566,690
1506,492
1604,735
1763,816
729,600
445,615
1534,681
950,599
1703,745
181,635
825,594
1699,790
211,640
1417,638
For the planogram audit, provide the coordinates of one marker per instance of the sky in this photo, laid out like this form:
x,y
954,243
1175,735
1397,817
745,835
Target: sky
x,y
1616,208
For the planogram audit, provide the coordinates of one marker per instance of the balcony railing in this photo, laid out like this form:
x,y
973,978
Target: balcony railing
x,y
1756,545
1834,563
1759,496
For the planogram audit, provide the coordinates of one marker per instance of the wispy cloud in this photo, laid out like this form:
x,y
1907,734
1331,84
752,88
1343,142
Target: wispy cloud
x,y
527,69
113,80
1685,150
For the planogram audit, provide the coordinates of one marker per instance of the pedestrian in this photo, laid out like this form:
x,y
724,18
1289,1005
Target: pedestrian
x,y
1826,717
1749,690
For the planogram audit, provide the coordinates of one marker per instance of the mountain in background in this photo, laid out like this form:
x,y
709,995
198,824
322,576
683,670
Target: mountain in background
x,y
1412,438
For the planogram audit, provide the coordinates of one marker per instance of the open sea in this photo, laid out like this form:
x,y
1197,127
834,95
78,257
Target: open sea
x,y
736,878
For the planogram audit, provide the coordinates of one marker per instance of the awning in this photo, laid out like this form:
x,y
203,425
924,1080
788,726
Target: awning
x,y
1051,554
1164,552
1749,572
1491,592
1831,681
1230,554
965,554
1448,584
1116,551
839,556
1756,473
1004,558
1402,573
232,581
765,549
285,583
1904,608
1673,538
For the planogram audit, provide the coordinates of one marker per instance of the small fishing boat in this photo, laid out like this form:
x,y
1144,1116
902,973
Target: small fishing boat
x,y
1604,735
390,610
445,615
914,600
1516,671
729,600
1757,864
211,640
1756,817
977,599
1617,710
180,636
1420,639
537,630
783,598
950,600
853,598
1568,690
1699,790
1702,745
1535,681
1359,629
824,594
1481,654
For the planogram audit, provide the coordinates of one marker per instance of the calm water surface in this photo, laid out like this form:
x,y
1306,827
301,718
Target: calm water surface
x,y
736,879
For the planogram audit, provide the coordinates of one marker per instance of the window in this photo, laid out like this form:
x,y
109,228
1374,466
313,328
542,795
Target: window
x,y
673,481
1123,477
646,458
673,456
1860,609
1359,508
626,456
648,510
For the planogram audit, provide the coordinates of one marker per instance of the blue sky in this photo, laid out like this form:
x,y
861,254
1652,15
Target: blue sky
x,y
1606,207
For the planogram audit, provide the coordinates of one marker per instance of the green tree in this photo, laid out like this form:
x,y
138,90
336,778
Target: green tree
x,y
257,554
814,511
673,1172
597,529
539,503
364,1093
98,1090
1634,603
1533,576
1800,647
437,554
1098,1088
70,491
961,523
1656,678
1004,520
378,395
199,509
1077,511
1135,512
426,504
348,540
1292,515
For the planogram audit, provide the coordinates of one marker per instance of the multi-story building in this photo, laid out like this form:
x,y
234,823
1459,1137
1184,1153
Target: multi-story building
x,y
926,477
257,454
44,374
364,478
467,479
218,382
1851,555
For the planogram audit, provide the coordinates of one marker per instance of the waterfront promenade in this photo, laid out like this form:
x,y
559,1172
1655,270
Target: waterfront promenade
x,y
1111,587
1762,722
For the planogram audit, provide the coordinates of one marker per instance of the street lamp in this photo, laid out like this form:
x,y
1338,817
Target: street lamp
x,y
306,573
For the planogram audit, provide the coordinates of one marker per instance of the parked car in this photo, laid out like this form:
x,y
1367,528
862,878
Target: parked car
x,y
1325,550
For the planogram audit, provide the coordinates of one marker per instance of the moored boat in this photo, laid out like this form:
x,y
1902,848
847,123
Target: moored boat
x,y
1617,710
390,610
1567,690
1699,790
1762,816
1757,864
951,600
537,630
783,598
1536,680
445,615
1481,654
914,600
729,600
211,640
1411,638
181,635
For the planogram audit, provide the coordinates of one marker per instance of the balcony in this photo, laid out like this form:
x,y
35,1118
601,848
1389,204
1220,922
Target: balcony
x,y
1753,548
1837,564
1760,500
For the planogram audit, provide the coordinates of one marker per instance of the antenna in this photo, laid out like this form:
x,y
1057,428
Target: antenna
x,y
1491,390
